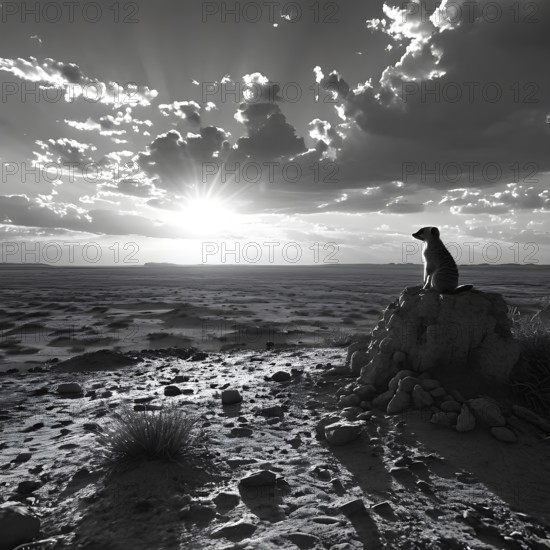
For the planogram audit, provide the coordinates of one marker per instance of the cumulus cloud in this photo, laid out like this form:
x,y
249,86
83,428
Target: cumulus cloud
x,y
269,135
466,89
175,163
188,110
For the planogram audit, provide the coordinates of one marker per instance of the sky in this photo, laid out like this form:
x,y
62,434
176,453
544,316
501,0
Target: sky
x,y
273,132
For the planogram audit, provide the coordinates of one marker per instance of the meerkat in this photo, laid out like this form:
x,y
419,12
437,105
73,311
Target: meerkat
x,y
440,270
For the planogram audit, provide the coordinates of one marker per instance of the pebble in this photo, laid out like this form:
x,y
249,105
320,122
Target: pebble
x,y
259,478
69,388
504,434
234,531
281,376
343,432
466,421
303,540
231,397
172,391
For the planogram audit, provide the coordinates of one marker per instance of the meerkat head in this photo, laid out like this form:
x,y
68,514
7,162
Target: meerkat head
x,y
426,234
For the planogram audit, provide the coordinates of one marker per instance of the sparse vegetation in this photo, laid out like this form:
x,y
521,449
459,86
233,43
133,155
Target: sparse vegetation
x,y
340,338
168,433
531,379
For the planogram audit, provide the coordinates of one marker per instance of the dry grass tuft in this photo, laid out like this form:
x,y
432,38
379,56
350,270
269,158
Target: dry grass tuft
x,y
169,433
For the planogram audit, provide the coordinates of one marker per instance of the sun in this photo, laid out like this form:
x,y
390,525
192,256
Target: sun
x,y
207,215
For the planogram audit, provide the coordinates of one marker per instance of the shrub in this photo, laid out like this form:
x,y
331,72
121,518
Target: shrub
x,y
168,433
531,380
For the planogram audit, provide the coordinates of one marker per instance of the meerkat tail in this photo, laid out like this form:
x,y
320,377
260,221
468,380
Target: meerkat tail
x,y
462,288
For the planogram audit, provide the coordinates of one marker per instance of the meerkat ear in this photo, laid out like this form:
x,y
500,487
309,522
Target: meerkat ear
x,y
435,232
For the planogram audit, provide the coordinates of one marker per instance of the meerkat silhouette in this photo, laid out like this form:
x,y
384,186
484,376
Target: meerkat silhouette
x,y
440,270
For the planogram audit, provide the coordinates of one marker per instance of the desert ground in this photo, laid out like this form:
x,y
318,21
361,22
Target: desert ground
x,y
405,483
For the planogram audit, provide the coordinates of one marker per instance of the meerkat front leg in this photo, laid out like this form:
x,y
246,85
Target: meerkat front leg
x,y
427,277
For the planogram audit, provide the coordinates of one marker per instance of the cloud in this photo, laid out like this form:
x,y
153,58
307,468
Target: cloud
x,y
69,78
269,135
64,152
463,91
187,110
175,163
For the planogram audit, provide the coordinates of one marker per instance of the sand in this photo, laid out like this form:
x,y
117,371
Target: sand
x,y
442,489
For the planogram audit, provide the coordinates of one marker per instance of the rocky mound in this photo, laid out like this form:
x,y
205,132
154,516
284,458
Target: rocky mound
x,y
439,353
425,331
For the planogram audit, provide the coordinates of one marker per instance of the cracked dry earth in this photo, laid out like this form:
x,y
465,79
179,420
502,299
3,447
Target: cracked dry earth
x,y
404,483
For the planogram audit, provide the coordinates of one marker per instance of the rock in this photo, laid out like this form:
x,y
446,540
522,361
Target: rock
x,y
429,384
504,434
438,392
444,418
466,420
273,411
487,412
407,384
450,406
17,525
281,376
399,402
421,398
70,388
259,478
28,487
468,331
226,500
172,391
349,400
353,506
359,359
381,402
351,413
383,508
343,432
303,540
378,371
394,382
241,432
424,486
365,392
231,397
22,457
234,531
325,421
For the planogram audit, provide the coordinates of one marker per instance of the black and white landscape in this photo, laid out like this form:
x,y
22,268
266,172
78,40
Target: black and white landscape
x,y
216,329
